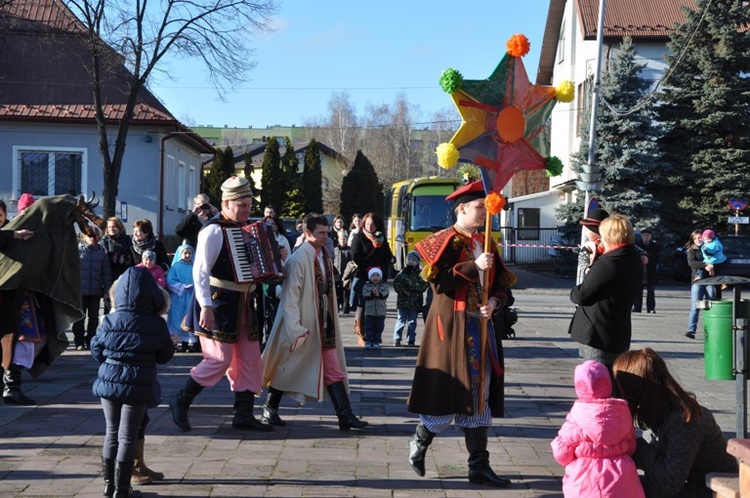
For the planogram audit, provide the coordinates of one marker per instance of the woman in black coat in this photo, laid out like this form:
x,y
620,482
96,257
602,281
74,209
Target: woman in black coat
x,y
369,249
129,343
143,240
601,323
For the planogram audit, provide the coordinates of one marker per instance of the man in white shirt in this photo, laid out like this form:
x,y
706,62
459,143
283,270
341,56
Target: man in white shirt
x,y
223,316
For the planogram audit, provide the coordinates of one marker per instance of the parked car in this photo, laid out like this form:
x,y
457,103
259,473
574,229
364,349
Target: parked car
x,y
736,248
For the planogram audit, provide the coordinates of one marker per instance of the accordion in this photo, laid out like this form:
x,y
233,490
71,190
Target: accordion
x,y
254,253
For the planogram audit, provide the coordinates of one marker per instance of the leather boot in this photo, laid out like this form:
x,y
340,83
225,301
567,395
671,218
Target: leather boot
x,y
12,394
418,444
271,408
244,402
180,404
480,471
340,400
141,473
108,472
123,470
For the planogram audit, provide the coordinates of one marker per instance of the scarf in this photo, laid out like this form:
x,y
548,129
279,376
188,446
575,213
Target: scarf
x,y
145,244
376,238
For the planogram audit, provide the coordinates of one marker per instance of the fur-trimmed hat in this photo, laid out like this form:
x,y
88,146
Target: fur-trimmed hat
x,y
25,201
372,271
235,188
594,218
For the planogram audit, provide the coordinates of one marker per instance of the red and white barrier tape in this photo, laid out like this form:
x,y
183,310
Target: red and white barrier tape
x,y
538,246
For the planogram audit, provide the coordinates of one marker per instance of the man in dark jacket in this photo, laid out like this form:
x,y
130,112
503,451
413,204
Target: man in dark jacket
x,y
451,374
653,251
601,322
191,224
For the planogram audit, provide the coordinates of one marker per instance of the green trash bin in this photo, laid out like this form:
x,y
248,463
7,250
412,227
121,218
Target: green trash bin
x,y
718,338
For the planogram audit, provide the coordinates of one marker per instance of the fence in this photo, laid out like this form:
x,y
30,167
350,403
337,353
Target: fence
x,y
533,245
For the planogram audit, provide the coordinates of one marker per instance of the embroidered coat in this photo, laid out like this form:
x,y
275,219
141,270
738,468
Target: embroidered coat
x,y
442,382
292,365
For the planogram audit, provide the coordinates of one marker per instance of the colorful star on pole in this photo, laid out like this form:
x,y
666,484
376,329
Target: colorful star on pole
x,y
503,120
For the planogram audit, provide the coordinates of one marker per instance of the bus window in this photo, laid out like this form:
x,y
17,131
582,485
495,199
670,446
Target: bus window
x,y
430,213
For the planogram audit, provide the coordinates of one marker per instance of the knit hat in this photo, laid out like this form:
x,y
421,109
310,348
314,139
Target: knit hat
x,y
413,255
149,254
592,381
708,233
25,201
372,271
234,188
594,218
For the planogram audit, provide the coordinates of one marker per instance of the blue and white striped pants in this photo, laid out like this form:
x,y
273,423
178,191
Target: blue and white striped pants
x,y
438,423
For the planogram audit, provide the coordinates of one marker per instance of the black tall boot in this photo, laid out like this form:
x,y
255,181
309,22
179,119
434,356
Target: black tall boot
x,y
480,471
418,444
108,472
271,408
12,394
123,471
244,402
340,400
181,403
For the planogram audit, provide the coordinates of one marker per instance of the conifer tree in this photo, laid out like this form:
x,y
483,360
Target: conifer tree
x,y
312,178
361,191
248,170
293,201
222,168
626,142
626,152
272,190
706,114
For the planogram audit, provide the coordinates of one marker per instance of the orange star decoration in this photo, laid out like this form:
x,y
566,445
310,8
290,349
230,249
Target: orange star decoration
x,y
503,120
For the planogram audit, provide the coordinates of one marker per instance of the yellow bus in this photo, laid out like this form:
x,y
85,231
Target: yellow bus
x,y
416,208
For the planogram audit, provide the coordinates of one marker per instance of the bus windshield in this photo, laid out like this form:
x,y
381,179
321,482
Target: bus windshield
x,y
430,213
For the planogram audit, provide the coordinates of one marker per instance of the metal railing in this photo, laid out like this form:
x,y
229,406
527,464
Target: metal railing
x,y
533,245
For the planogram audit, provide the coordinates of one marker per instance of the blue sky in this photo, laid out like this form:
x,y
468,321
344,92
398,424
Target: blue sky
x,y
371,49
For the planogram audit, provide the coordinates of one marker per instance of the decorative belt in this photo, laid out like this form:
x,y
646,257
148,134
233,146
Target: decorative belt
x,y
229,285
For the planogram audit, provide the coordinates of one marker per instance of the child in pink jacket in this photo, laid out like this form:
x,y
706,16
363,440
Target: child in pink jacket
x,y
597,440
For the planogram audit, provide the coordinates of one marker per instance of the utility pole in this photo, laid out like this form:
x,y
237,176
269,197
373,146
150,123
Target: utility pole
x,y
590,178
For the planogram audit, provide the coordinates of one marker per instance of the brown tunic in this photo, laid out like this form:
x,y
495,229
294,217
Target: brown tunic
x,y
442,383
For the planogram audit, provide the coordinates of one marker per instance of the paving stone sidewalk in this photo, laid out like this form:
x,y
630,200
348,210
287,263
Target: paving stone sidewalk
x,y
54,449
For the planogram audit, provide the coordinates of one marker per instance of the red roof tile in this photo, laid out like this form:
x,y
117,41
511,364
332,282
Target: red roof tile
x,y
636,18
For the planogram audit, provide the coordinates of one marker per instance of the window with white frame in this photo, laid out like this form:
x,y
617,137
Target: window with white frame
x,y
192,186
561,44
43,171
528,223
170,193
181,185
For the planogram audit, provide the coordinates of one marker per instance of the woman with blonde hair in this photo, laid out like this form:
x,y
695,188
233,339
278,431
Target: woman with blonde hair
x,y
685,441
601,322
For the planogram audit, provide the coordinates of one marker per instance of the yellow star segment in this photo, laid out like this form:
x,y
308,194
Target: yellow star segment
x,y
503,121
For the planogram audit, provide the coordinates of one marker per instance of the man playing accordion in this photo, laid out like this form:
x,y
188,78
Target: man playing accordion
x,y
223,316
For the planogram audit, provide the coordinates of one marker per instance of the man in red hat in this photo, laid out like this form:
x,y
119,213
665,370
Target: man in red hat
x,y
446,386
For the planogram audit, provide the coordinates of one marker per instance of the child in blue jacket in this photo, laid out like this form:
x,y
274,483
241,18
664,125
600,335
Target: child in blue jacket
x,y
130,342
96,279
